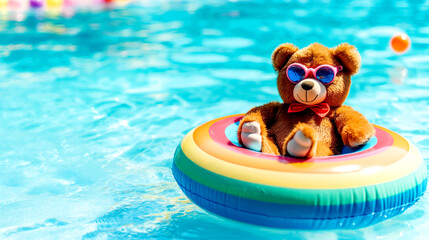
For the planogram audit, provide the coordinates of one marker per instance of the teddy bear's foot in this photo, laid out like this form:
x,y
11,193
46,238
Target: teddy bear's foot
x,y
251,136
357,136
300,145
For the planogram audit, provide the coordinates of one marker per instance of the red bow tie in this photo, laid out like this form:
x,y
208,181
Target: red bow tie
x,y
320,109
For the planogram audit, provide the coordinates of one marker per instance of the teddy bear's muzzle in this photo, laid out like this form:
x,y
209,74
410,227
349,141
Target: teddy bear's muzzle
x,y
309,91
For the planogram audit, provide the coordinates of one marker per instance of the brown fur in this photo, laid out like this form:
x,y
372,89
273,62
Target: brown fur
x,y
342,125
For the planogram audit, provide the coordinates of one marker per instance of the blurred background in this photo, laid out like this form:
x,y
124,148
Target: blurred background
x,y
96,95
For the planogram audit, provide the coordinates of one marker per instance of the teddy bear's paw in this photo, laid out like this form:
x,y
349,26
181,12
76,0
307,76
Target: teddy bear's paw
x,y
251,136
356,137
299,145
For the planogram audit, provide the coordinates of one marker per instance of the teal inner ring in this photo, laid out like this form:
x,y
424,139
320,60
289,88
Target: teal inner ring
x,y
231,134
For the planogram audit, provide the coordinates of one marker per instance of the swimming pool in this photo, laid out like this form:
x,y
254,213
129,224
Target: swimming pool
x,y
92,108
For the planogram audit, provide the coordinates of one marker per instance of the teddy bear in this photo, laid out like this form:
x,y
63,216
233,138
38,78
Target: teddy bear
x,y
312,121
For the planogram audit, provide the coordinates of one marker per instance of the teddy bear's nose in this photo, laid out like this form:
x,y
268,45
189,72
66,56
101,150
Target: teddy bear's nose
x,y
307,85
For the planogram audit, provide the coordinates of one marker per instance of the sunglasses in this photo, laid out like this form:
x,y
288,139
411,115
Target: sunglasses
x,y
324,73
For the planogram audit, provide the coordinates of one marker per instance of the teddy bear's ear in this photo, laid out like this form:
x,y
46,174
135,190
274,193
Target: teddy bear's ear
x,y
282,54
348,56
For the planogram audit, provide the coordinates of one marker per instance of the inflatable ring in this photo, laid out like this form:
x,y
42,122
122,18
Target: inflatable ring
x,y
350,190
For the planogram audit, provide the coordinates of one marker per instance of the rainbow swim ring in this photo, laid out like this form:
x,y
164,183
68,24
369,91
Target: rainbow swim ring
x,y
351,190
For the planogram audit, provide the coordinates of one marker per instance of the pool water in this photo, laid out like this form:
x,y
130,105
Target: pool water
x,y
93,106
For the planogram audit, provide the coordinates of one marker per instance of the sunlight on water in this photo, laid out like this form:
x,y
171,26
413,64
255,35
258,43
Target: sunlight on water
x,y
93,107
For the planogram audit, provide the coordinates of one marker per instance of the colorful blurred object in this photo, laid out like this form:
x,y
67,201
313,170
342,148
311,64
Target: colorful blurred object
x,y
400,43
3,3
36,3
24,6
54,3
18,4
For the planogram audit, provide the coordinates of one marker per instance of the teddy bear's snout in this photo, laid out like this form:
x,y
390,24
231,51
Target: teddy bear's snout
x,y
307,85
309,91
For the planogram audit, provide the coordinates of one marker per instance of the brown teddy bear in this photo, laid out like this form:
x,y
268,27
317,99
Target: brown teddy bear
x,y
313,83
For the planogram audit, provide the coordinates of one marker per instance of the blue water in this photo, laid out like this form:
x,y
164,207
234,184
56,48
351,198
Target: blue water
x,y
93,106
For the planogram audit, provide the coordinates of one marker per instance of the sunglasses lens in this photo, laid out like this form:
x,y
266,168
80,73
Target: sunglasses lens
x,y
325,74
295,73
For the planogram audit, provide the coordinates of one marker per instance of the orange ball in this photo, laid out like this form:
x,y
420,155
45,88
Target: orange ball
x,y
400,43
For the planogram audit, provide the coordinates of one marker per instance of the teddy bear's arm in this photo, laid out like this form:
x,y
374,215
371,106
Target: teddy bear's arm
x,y
354,128
256,123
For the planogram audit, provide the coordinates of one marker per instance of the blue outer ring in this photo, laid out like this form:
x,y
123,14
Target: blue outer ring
x,y
269,214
